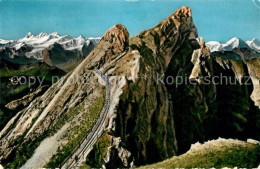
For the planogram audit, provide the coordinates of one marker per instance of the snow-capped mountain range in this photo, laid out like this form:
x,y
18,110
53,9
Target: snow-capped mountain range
x,y
58,50
32,45
233,43
254,44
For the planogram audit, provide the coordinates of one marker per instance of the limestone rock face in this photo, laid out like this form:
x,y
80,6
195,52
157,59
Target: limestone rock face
x,y
26,100
145,116
122,153
119,36
233,84
114,42
242,59
200,57
64,113
253,66
248,69
157,118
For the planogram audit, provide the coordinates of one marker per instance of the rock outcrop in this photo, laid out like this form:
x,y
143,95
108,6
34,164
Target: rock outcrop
x,y
144,117
114,42
174,101
18,81
69,107
26,100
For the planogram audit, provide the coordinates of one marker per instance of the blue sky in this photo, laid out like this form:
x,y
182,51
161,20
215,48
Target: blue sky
x,y
215,19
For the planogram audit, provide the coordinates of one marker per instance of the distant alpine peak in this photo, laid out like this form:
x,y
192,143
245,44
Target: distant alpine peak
x,y
38,42
254,44
214,46
235,43
81,36
232,44
55,34
43,40
41,35
80,39
29,34
256,40
234,40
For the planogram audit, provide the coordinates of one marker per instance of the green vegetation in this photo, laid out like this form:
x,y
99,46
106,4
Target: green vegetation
x,y
41,70
26,150
9,92
23,152
145,52
95,158
85,167
78,131
224,155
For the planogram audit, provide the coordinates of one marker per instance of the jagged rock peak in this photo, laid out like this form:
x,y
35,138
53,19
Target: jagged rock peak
x,y
184,11
179,21
200,58
181,15
114,42
117,30
202,42
119,36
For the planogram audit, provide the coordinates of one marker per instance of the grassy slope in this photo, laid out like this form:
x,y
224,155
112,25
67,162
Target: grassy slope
x,y
99,152
39,69
78,131
218,153
11,92
25,151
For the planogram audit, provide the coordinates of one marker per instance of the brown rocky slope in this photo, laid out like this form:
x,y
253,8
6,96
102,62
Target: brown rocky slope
x,y
67,110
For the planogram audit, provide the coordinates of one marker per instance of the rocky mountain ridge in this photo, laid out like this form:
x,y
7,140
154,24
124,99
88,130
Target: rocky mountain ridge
x,y
233,43
145,107
53,49
235,49
254,44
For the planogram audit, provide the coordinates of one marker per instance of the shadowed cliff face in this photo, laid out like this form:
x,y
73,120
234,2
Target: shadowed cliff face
x,y
235,112
158,116
67,60
216,103
145,114
225,107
